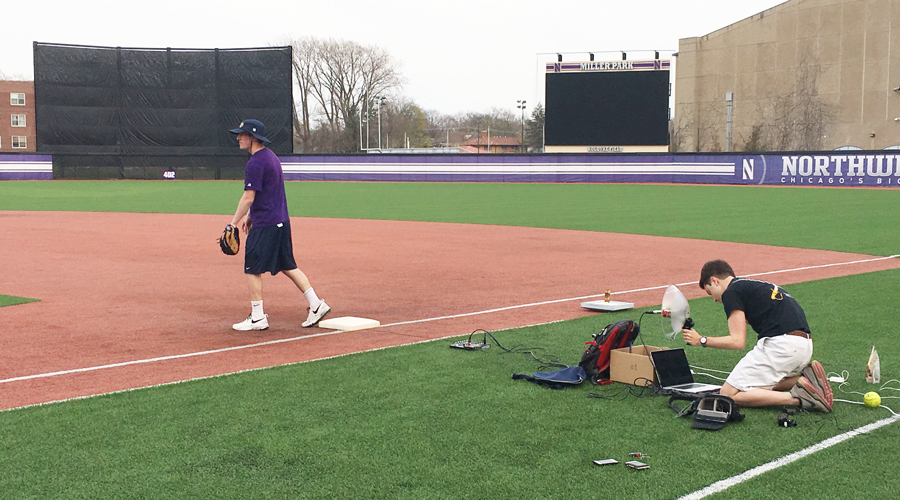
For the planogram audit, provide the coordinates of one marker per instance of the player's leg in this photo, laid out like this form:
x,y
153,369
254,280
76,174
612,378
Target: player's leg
x,y
767,376
299,278
318,309
257,320
254,286
254,266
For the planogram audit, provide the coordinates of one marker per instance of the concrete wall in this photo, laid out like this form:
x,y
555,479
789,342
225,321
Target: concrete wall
x,y
837,62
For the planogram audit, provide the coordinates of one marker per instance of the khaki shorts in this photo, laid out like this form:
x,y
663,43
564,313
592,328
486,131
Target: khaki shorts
x,y
772,360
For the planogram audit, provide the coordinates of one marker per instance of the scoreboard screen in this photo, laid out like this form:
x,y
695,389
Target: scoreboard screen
x,y
607,108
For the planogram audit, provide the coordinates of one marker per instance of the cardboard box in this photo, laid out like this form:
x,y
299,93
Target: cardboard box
x,y
631,365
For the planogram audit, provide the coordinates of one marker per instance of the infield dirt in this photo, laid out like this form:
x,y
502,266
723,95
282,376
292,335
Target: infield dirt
x,y
134,300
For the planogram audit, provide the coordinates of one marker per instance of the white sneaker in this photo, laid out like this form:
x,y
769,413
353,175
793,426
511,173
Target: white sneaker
x,y
249,324
317,315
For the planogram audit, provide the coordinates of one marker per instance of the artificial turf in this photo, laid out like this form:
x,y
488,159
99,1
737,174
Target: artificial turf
x,y
427,421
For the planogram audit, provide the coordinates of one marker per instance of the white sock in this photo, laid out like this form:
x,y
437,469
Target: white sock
x,y
313,299
257,310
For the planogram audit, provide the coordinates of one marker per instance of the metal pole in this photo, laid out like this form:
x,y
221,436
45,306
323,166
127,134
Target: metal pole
x,y
521,105
729,102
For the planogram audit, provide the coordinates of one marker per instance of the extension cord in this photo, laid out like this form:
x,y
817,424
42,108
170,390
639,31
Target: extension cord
x,y
836,379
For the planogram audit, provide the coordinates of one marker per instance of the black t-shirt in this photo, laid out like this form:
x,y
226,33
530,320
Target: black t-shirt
x,y
770,310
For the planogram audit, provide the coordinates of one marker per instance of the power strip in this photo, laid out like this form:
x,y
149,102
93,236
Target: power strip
x,y
468,345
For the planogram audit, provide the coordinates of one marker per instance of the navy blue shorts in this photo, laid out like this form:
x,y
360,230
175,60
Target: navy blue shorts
x,y
269,249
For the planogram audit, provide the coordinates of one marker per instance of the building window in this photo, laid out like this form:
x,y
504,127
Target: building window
x,y
16,99
18,120
19,142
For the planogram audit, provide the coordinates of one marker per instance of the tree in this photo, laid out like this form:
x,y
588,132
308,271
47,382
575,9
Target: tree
x,y
534,130
337,82
404,121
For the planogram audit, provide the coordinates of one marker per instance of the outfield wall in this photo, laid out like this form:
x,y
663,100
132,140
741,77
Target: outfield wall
x,y
862,168
845,168
26,167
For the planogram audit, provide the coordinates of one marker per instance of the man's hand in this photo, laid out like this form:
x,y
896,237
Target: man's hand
x,y
691,336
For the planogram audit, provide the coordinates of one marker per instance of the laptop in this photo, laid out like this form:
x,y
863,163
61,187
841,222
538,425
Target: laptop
x,y
674,372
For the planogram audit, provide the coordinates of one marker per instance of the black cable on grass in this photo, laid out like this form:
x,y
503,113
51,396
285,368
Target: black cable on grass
x,y
623,393
545,360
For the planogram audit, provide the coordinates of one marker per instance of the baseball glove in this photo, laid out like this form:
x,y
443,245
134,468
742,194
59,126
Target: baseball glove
x,y
230,242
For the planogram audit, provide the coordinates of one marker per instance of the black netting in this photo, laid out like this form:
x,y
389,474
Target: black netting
x,y
159,103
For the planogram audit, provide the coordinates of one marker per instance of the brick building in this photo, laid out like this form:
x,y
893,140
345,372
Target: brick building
x,y
492,144
17,117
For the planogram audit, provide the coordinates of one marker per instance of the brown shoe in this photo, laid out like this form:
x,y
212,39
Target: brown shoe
x,y
811,398
816,374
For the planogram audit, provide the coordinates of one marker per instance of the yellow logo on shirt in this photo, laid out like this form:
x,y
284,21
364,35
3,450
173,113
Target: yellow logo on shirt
x,y
776,294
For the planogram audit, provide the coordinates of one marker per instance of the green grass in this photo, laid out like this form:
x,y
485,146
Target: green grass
x,y
852,220
11,300
426,421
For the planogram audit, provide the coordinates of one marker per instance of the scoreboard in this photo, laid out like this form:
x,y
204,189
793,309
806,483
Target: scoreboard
x,y
611,106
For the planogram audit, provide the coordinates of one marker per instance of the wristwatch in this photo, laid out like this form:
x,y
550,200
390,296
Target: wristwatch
x,y
703,341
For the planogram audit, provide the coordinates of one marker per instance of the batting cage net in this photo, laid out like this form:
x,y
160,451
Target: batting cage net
x,y
113,112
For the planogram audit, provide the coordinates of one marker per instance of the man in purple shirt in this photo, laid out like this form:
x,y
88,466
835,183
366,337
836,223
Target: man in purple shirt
x,y
262,214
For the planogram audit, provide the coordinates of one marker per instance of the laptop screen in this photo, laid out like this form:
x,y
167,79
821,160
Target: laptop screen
x,y
672,367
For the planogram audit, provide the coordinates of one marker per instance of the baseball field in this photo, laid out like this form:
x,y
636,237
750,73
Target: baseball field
x,y
121,376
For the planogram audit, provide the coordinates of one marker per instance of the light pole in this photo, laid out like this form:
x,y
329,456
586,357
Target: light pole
x,y
521,105
379,101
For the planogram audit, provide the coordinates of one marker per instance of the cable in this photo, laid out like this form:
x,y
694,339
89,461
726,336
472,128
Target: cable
x,y
634,390
710,370
545,360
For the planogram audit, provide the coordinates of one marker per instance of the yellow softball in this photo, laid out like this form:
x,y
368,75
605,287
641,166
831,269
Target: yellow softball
x,y
872,399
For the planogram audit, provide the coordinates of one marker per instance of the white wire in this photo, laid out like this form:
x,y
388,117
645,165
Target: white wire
x,y
858,403
846,376
710,369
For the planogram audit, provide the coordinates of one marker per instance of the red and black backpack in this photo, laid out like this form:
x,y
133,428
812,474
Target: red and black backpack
x,y
595,359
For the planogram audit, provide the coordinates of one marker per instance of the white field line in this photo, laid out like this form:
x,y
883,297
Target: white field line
x,y
262,368
425,320
779,462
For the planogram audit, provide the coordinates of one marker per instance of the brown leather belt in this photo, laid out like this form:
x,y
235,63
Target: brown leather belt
x,y
798,333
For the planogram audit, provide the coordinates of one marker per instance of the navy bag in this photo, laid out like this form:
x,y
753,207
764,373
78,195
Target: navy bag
x,y
557,379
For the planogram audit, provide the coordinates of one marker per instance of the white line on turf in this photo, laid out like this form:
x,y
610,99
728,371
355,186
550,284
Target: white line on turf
x,y
779,462
425,320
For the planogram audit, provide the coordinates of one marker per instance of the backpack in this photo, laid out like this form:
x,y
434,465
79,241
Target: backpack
x,y
595,359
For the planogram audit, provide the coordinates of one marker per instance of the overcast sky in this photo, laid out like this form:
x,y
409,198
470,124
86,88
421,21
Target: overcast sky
x,y
456,56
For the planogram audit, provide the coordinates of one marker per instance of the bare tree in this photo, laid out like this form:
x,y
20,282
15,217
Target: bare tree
x,y
304,56
337,81
404,123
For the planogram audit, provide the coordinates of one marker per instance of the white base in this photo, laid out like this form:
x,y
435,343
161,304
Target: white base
x,y
602,305
348,323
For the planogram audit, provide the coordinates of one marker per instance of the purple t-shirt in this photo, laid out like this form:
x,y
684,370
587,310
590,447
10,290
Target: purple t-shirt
x,y
263,175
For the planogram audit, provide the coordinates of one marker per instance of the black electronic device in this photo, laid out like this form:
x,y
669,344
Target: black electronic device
x,y
470,345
